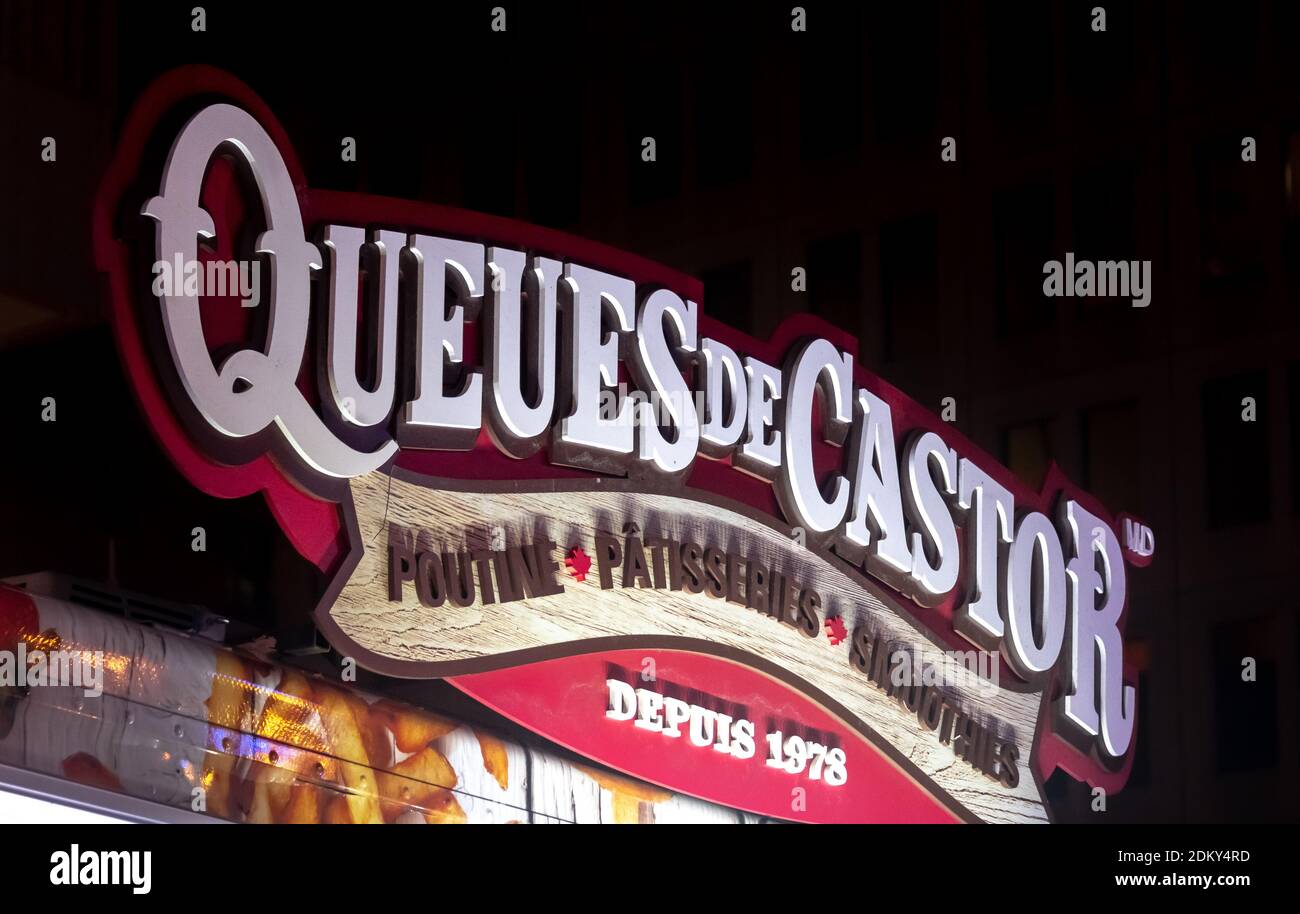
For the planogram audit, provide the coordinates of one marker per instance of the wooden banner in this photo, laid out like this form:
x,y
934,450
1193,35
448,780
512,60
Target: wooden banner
x,y
407,638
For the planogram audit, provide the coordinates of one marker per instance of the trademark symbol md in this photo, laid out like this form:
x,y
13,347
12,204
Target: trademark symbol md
x,y
1139,542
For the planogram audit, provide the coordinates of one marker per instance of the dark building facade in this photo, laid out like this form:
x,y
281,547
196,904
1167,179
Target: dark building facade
x,y
777,151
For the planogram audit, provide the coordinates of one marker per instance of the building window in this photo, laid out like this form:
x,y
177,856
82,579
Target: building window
x,y
1112,455
1103,204
830,86
1291,194
1245,712
724,119
729,295
905,71
1223,51
909,289
1237,466
652,107
835,280
1019,58
1023,240
1232,246
1099,65
553,173
1027,452
1293,406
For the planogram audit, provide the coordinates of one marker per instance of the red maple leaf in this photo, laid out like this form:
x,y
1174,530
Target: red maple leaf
x,y
835,629
578,563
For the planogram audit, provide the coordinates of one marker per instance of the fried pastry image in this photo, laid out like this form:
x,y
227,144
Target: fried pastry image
x,y
416,782
348,745
495,760
412,729
444,809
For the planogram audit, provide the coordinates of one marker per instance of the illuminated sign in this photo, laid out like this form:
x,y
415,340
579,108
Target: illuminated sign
x,y
439,381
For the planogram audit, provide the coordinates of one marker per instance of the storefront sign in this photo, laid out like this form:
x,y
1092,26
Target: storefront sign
x,y
716,728
446,411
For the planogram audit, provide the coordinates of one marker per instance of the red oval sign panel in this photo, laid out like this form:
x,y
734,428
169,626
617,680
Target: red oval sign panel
x,y
713,728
